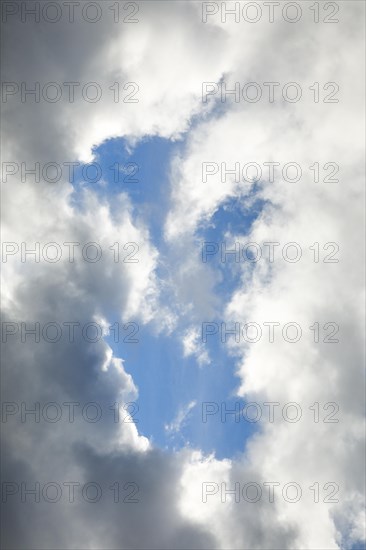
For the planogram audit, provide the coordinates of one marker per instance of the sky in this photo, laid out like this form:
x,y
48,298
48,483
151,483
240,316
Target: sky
x,y
183,275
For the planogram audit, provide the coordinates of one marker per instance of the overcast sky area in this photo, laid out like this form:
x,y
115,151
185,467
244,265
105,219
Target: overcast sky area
x,y
183,255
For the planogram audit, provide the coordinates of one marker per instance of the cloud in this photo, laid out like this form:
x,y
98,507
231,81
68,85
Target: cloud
x,y
81,373
193,346
305,212
170,513
179,421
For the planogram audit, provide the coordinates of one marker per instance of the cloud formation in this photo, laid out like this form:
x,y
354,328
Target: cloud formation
x,y
169,54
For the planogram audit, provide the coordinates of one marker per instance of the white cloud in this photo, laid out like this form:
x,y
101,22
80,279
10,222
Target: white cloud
x,y
179,421
193,346
170,84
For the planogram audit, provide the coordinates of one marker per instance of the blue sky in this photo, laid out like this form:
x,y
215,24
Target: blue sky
x,y
167,381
